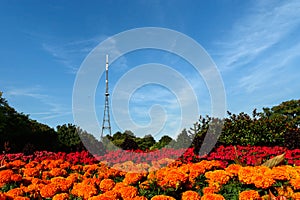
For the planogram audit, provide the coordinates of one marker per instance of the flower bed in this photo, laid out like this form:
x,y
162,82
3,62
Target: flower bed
x,y
156,175
250,155
59,179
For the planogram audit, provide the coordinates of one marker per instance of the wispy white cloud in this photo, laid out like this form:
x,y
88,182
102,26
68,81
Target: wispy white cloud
x,y
71,54
49,110
270,71
265,25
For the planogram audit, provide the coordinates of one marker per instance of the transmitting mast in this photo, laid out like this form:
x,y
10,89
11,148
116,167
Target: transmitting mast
x,y
106,118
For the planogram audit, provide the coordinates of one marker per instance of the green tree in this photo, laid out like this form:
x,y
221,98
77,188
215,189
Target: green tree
x,y
22,133
183,140
288,109
198,132
90,142
164,141
129,144
146,142
68,137
126,141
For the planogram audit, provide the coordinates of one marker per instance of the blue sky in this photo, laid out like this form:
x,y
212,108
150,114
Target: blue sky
x,y
254,44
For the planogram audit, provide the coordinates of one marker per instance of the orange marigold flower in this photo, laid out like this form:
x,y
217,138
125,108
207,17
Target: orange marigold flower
x,y
31,172
83,190
119,186
100,197
5,176
16,177
245,174
48,191
172,178
262,181
190,195
249,194
233,169
46,175
61,196
162,197
280,173
31,164
296,195
65,165
107,184
295,182
63,183
58,172
15,192
140,198
112,194
20,198
76,167
285,191
51,164
91,181
111,173
2,196
132,178
128,192
196,169
218,176
151,175
16,164
172,164
185,168
145,185
210,190
212,197
33,188
74,177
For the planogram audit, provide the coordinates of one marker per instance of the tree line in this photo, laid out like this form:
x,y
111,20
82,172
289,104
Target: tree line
x,y
19,133
278,126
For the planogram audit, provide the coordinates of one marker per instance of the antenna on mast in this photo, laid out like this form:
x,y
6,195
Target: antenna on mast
x,y
106,117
